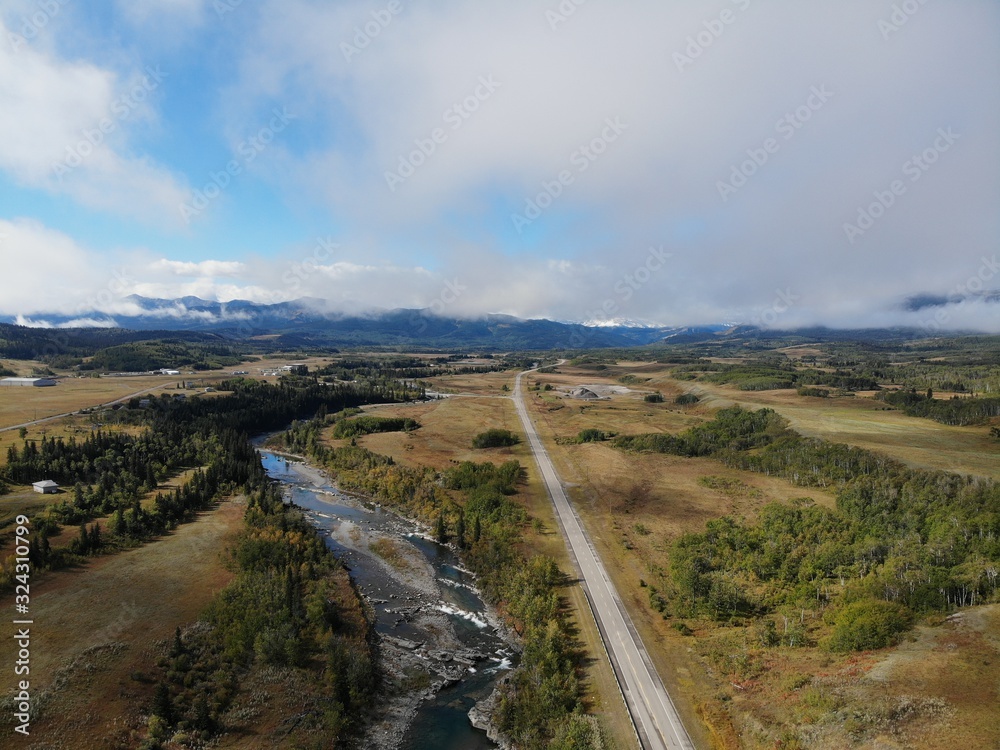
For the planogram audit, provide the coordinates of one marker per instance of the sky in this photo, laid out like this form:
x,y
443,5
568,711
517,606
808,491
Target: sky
x,y
779,164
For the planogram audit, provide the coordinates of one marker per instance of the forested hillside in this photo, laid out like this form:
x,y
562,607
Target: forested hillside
x,y
290,606
541,706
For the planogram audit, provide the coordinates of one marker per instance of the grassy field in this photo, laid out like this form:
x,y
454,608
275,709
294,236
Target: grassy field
x,y
99,629
21,405
635,504
861,421
448,426
21,500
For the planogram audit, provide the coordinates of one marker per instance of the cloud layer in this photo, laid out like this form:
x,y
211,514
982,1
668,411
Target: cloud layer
x,y
779,164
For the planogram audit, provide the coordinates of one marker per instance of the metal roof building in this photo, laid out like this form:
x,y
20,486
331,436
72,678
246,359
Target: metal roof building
x,y
37,382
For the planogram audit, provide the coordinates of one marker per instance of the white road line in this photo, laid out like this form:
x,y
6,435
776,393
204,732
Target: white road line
x,y
653,713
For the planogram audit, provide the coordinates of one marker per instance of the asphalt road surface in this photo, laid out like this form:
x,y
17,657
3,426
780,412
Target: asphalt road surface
x,y
656,720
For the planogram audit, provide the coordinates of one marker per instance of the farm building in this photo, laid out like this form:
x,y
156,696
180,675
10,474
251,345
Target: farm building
x,y
37,382
45,487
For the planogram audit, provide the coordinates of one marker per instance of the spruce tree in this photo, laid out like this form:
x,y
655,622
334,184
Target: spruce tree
x,y
460,530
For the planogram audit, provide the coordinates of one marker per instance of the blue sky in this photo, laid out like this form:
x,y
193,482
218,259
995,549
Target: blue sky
x,y
797,163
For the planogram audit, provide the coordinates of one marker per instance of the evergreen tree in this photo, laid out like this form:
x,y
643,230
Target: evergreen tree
x,y
178,647
162,705
94,542
83,541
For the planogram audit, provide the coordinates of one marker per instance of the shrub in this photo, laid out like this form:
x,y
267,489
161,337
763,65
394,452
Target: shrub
x,y
869,624
653,398
495,438
591,435
367,425
765,384
686,399
815,392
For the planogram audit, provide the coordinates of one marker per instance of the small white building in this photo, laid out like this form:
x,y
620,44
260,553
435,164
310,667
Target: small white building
x,y
45,487
165,371
27,382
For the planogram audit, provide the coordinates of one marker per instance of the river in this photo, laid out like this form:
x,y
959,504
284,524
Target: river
x,y
435,628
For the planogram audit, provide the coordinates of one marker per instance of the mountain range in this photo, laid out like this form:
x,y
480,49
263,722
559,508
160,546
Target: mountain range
x,y
309,321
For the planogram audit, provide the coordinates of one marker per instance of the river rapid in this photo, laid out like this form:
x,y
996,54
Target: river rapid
x,y
436,634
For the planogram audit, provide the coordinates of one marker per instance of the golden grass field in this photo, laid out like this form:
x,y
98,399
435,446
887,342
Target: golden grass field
x,y
99,623
635,504
99,626
21,405
861,421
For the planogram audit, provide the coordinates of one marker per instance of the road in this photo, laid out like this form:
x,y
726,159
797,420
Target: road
x,y
653,713
50,418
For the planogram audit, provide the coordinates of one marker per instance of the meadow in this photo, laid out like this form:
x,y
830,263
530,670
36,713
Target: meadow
x,y
747,696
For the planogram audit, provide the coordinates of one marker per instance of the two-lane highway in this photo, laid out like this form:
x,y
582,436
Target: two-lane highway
x,y
653,713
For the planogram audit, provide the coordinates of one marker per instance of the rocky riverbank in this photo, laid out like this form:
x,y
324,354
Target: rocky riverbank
x,y
419,613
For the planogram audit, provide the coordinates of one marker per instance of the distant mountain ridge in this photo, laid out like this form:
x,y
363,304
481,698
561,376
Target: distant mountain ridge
x,y
307,322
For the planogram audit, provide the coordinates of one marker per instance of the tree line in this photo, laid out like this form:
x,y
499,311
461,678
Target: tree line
x,y
954,411
540,706
111,472
290,607
899,542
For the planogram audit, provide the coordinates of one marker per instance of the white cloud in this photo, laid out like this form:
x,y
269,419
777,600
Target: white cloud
x,y
46,271
883,101
158,12
516,101
93,288
210,268
65,127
